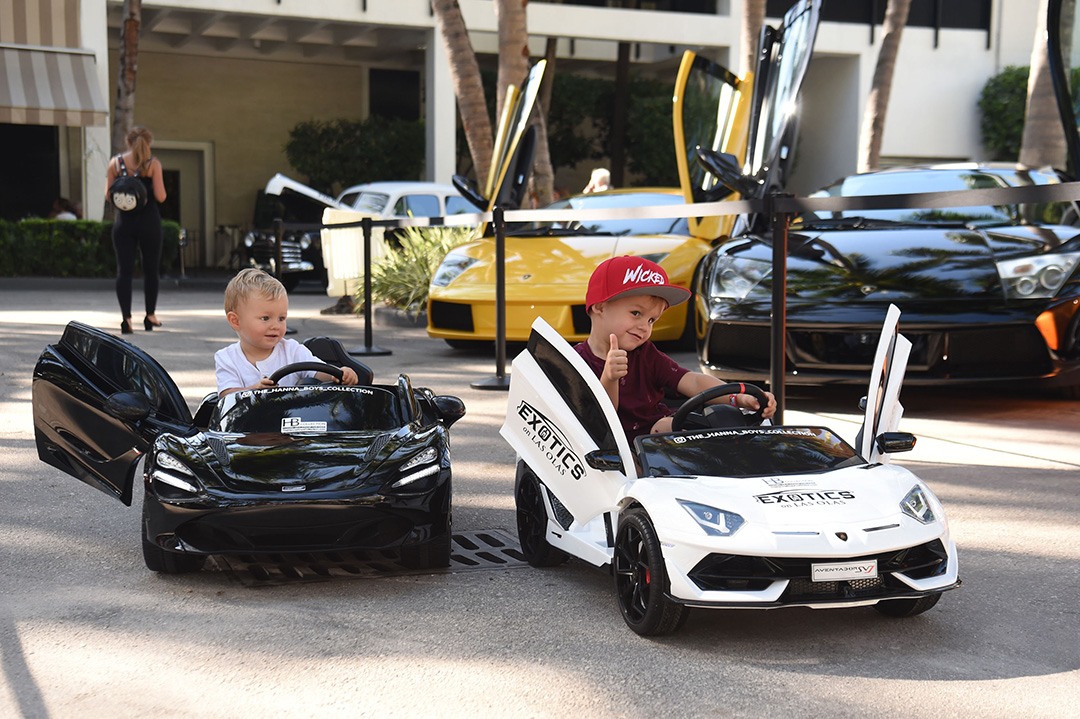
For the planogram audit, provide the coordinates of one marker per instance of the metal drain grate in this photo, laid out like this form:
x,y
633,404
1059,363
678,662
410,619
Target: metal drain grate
x,y
469,551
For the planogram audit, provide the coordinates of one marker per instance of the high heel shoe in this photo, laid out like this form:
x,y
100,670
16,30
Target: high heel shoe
x,y
146,323
125,328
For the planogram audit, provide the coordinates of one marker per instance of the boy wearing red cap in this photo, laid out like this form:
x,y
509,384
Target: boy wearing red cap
x,y
625,297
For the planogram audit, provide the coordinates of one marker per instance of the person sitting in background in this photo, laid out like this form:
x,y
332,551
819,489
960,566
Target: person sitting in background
x,y
599,181
64,209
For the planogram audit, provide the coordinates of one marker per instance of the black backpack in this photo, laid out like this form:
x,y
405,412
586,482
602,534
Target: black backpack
x,y
127,192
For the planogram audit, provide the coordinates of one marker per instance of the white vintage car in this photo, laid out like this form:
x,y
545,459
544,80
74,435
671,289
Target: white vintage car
x,y
724,512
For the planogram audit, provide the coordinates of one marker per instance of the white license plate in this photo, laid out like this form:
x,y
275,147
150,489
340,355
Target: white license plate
x,y
843,571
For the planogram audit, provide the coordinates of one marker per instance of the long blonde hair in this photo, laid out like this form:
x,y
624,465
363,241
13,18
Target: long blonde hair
x,y
138,141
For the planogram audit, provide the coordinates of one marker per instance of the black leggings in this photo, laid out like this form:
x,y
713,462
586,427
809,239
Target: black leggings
x,y
147,238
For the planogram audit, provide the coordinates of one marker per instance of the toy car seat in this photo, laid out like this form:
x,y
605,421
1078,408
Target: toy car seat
x,y
330,351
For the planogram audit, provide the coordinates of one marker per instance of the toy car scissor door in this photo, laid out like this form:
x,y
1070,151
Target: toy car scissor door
x,y
561,423
883,408
98,404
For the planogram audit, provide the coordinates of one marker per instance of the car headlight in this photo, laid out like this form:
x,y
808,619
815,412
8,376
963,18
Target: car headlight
x,y
171,471
250,239
715,522
916,506
427,456
733,278
452,265
305,241
1036,277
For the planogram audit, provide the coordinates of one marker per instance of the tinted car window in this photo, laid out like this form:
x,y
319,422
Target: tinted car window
x,y
309,409
898,183
418,206
745,452
458,205
661,226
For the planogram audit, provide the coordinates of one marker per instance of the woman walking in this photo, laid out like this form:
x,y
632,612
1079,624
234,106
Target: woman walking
x,y
138,227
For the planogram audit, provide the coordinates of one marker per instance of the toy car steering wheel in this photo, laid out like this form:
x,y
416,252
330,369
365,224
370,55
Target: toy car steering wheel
x,y
307,367
678,421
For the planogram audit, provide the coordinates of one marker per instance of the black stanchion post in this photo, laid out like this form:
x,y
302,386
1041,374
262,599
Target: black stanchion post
x,y
499,381
780,221
368,348
279,257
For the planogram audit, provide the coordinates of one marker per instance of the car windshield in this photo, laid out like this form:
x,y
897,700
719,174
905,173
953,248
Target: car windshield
x,y
931,180
630,226
745,452
291,410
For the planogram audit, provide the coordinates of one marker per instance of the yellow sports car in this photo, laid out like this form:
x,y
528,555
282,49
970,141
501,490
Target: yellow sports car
x,y
546,276
548,265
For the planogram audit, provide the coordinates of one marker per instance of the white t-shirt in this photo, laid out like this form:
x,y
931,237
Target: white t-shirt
x,y
234,370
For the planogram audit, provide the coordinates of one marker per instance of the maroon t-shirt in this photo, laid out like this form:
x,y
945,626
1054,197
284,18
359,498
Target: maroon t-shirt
x,y
641,392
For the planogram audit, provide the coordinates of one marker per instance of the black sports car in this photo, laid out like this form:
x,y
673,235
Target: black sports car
x,y
989,294
288,469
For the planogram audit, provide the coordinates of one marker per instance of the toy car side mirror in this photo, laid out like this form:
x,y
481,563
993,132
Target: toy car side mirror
x,y
129,406
450,409
862,403
889,442
606,460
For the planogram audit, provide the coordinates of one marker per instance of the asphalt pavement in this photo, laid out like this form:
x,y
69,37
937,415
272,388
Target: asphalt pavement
x,y
86,630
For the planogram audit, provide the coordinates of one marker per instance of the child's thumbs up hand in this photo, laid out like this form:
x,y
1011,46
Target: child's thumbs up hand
x,y
615,364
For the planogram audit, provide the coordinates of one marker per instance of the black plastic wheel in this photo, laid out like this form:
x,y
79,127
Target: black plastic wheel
x,y
641,582
159,560
532,521
907,607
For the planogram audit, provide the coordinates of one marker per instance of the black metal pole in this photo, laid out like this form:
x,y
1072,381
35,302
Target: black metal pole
x,y
499,381
368,348
780,222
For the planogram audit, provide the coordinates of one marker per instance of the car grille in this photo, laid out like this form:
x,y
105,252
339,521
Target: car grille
x,y
961,353
450,316
729,572
263,251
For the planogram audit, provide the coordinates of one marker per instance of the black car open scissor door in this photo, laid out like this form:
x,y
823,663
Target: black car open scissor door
x,y
98,404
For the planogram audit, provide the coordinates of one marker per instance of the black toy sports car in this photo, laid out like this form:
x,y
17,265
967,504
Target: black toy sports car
x,y
288,469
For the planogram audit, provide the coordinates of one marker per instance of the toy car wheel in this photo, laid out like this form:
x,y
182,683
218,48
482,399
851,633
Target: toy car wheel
x,y
907,607
158,560
532,521
641,582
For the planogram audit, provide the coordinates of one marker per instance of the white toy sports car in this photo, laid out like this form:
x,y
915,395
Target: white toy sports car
x,y
723,512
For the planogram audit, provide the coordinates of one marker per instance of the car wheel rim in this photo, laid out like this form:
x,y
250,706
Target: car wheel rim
x,y
633,572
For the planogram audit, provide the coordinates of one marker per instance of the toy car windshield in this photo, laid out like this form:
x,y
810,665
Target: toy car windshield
x,y
310,409
745,452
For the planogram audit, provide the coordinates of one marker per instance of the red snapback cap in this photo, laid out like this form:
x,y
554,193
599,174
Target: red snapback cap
x,y
626,276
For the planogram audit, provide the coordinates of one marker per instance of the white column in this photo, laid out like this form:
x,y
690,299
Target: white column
x,y
440,112
96,140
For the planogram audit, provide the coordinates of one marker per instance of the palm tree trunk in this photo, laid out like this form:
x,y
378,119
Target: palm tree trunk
x,y
1042,142
750,32
124,112
873,124
513,46
469,91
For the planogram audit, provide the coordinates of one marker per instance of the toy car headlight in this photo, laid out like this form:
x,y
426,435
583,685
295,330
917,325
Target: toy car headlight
x,y
733,278
452,265
428,456
171,471
1036,277
715,522
916,506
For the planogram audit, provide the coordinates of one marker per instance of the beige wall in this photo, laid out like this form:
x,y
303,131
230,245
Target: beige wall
x,y
245,108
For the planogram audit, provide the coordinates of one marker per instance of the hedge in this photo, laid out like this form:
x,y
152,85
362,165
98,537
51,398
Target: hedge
x,y
71,248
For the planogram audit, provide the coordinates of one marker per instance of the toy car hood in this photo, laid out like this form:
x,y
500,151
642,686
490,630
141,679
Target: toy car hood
x,y
559,420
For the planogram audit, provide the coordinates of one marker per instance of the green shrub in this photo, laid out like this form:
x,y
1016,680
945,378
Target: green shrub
x,y
70,248
1002,103
401,279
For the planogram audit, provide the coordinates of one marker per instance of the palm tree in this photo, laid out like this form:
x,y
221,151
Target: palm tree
x,y
465,74
752,21
1043,142
124,112
873,123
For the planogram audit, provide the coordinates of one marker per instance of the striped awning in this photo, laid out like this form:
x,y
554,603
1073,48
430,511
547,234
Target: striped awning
x,y
49,86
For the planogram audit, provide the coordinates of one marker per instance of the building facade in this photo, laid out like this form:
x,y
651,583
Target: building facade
x,y
221,82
